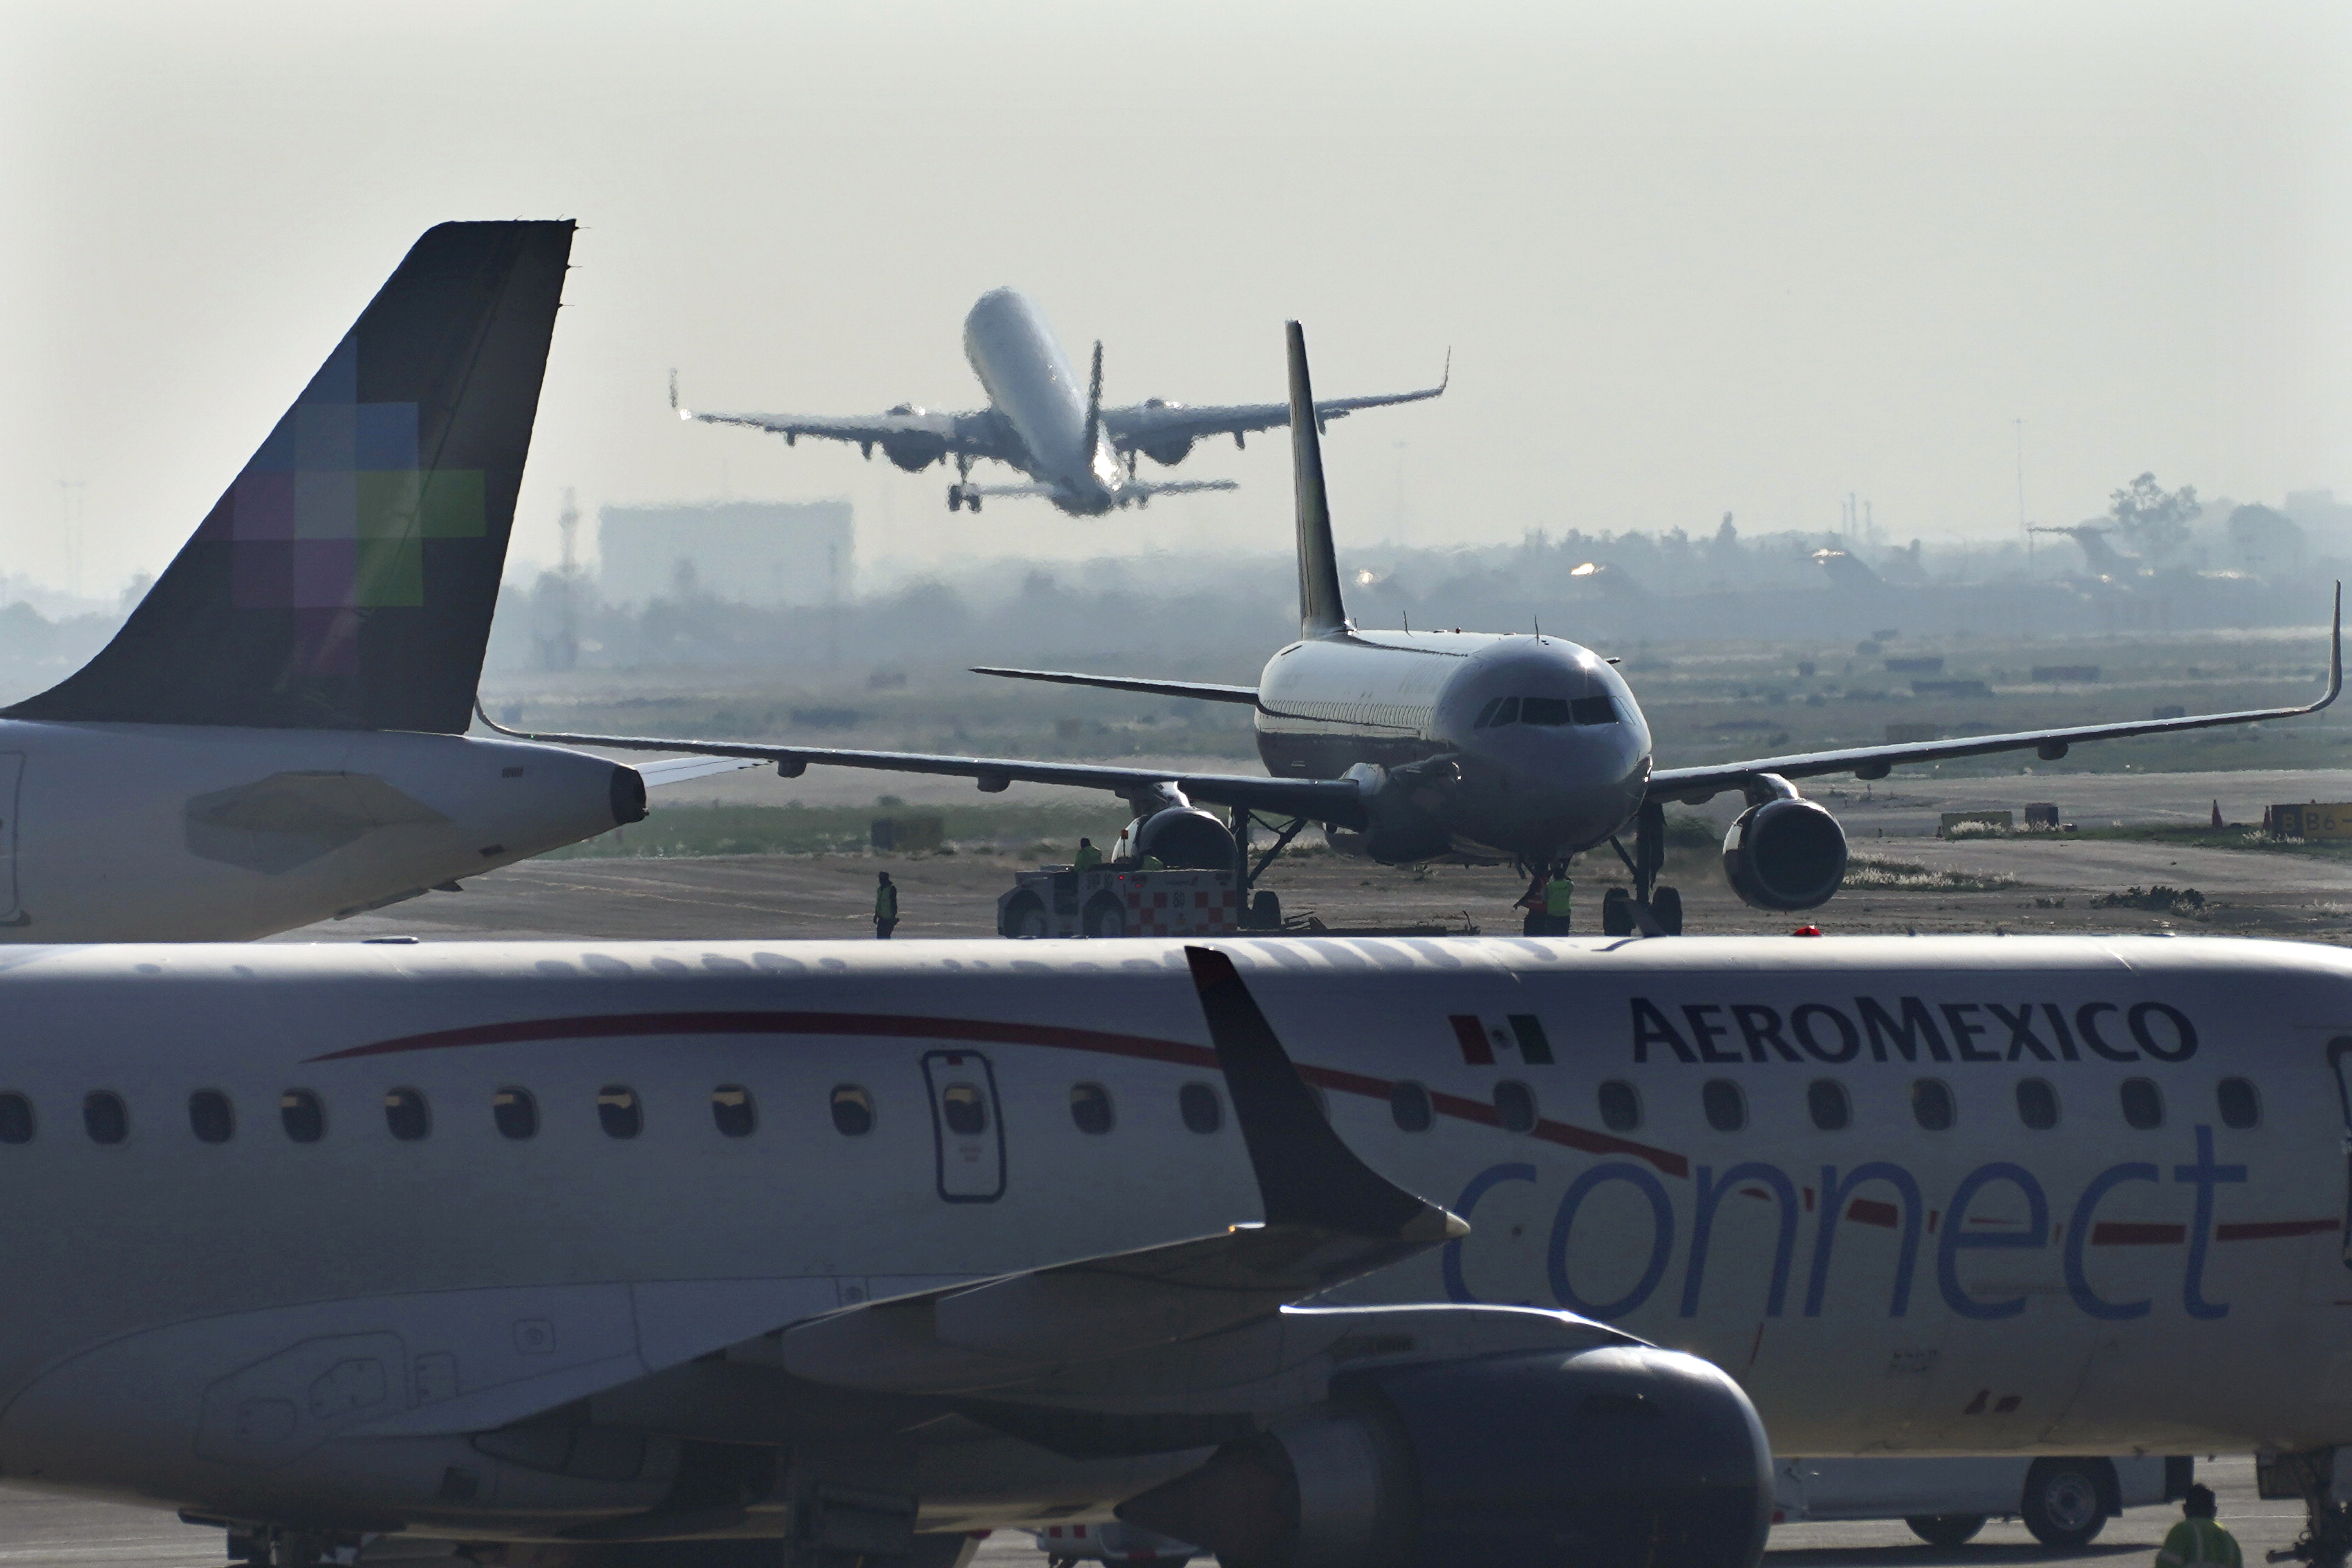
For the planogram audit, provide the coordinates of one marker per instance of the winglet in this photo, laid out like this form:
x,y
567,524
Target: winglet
x,y
1320,612
1306,1174
681,412
1444,380
2335,654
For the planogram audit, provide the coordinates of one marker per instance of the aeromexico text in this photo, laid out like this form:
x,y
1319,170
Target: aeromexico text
x,y
1912,1029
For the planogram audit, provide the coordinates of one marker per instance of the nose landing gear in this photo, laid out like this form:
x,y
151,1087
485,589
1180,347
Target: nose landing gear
x,y
1649,908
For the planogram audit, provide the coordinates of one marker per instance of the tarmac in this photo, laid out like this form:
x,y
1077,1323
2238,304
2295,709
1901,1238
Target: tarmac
x,y
43,1530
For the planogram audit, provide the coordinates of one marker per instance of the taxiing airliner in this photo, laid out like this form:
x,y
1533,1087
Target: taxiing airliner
x,y
1343,1254
277,734
1493,747
1077,454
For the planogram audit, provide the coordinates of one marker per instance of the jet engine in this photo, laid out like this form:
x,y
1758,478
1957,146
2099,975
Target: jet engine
x,y
1785,854
1615,1457
1168,450
914,450
1184,837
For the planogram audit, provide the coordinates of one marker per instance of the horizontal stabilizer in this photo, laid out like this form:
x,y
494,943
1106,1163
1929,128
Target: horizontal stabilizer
x,y
1208,691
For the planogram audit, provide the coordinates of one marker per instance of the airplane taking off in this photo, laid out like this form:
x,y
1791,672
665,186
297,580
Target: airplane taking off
x,y
714,1254
1490,747
277,734
1077,454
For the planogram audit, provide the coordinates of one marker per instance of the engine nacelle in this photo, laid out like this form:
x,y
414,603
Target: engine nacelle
x,y
1616,1458
1168,451
914,451
1785,854
1184,837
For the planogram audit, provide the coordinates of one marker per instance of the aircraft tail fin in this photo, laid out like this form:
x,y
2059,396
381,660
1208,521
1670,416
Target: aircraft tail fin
x,y
346,579
1321,611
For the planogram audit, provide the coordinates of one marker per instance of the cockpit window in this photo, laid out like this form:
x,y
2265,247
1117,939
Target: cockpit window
x,y
1546,710
1594,711
1543,711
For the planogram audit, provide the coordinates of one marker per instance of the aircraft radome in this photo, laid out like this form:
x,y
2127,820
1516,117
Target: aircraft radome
x,y
1077,454
1489,747
277,734
609,1255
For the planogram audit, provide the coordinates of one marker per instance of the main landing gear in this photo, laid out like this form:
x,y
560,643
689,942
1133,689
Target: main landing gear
x,y
961,496
1260,910
1649,908
2327,1538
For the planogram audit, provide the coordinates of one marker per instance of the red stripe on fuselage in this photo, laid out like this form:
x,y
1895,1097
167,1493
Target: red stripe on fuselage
x,y
980,1031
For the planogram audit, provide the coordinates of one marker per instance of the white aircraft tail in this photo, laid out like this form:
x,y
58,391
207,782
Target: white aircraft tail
x,y
1321,611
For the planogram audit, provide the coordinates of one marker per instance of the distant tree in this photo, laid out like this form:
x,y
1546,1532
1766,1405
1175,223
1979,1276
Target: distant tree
x,y
2261,536
2154,520
1727,540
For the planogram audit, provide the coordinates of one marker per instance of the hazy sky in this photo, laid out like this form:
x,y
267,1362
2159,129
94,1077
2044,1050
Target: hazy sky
x,y
1689,258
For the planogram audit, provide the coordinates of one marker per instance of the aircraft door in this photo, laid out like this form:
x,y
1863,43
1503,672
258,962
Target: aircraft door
x,y
2339,1062
967,1132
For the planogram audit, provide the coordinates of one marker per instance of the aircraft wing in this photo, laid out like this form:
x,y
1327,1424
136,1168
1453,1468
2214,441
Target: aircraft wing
x,y
1209,690
1139,423
1328,1218
1692,785
1340,801
978,432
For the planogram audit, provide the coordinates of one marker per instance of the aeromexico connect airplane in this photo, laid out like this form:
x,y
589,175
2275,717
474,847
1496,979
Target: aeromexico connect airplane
x,y
276,735
1490,747
1077,454
1337,1254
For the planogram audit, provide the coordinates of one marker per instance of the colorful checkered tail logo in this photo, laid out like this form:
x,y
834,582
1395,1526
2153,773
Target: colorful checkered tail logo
x,y
347,578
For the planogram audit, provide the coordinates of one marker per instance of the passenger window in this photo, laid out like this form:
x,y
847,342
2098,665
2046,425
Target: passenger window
x,y
1931,1105
1089,1108
304,1119
732,1113
1594,711
2233,1097
965,1111
852,1111
1516,1103
105,1117
2037,1104
16,1119
515,1113
1825,1101
1487,714
1620,1106
1544,711
1409,1107
1506,712
1726,1107
210,1117
405,1113
2143,1103
619,1111
1203,1111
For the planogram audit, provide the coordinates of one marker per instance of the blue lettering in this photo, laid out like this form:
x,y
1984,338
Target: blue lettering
x,y
2184,1033
1710,1195
2078,1235
1957,1238
1449,1260
2022,1036
2086,1020
1662,1239
1707,1033
1835,1194
1651,1027
1849,1040
1965,1031
2203,1174
1916,1024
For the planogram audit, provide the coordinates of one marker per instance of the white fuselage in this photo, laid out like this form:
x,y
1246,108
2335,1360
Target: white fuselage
x,y
270,1325
1029,383
189,833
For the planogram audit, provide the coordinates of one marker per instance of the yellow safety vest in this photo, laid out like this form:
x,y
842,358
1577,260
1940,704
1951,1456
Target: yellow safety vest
x,y
1088,857
2199,1541
1557,892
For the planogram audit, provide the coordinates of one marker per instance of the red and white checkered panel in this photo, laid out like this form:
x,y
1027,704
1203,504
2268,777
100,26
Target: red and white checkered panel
x,y
1182,911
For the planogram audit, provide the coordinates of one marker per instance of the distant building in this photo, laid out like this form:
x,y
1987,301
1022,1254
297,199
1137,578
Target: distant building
x,y
752,553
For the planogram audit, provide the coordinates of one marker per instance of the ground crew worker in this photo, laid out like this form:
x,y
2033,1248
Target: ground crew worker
x,y
1559,893
1088,857
1532,901
1150,863
885,906
2199,1538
